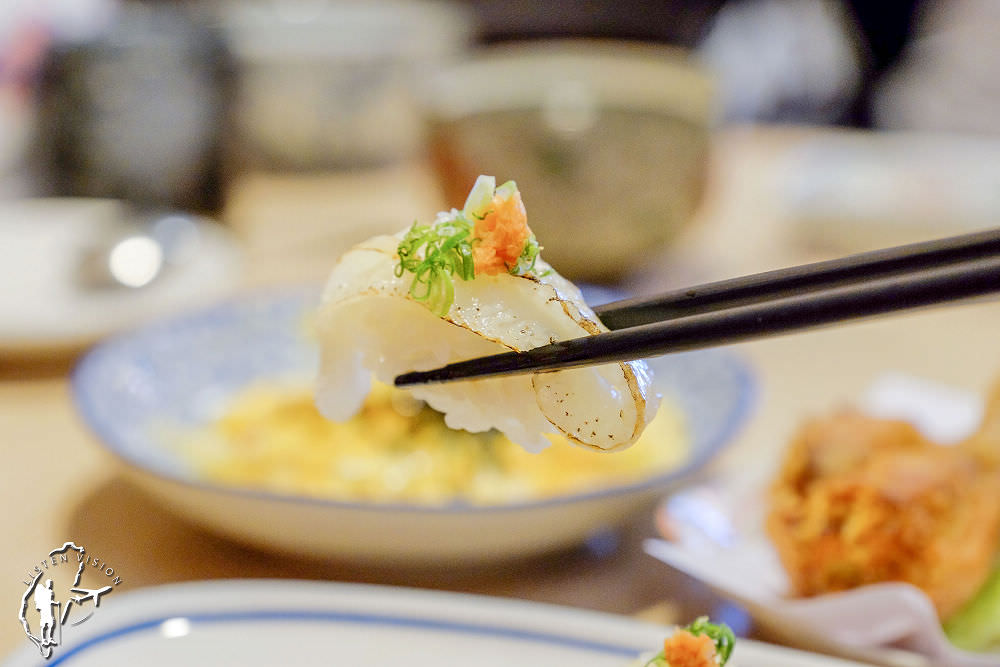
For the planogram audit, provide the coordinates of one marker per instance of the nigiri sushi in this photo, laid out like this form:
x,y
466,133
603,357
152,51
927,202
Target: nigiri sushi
x,y
700,644
470,284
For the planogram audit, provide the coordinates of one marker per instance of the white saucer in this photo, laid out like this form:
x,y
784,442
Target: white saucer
x,y
42,308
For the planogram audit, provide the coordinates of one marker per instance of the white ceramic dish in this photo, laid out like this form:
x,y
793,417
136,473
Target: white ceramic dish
x,y
250,623
43,308
181,373
718,537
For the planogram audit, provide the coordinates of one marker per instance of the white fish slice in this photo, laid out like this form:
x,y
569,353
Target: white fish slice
x,y
369,324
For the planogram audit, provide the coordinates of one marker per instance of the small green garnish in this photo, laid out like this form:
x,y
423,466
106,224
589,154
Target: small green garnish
x,y
656,661
526,262
976,626
438,252
720,633
447,252
506,190
480,199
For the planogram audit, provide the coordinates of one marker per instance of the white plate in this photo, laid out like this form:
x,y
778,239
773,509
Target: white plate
x,y
42,308
250,623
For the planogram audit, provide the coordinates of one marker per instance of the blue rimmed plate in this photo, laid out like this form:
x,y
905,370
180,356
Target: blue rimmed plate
x,y
180,373
253,623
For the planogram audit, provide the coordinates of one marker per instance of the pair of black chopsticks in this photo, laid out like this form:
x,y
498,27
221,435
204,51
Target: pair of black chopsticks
x,y
760,305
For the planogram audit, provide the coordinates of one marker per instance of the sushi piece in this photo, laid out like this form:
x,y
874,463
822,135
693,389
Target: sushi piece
x,y
700,644
470,284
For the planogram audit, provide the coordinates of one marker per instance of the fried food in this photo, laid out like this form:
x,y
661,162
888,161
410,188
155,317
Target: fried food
x,y
861,500
985,443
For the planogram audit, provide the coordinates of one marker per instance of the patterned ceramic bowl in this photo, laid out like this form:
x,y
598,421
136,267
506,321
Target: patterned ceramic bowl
x,y
183,371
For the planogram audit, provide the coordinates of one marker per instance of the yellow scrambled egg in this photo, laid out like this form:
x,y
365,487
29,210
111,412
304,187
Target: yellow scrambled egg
x,y
398,450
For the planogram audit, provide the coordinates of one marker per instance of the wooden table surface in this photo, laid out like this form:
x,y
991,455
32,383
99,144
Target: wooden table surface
x,y
57,484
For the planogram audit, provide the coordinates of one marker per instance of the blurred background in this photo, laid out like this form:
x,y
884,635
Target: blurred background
x,y
603,111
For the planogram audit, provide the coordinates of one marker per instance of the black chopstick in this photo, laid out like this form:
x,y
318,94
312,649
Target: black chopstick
x,y
793,280
952,282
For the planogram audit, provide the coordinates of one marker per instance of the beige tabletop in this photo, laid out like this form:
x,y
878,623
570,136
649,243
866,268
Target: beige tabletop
x,y
58,484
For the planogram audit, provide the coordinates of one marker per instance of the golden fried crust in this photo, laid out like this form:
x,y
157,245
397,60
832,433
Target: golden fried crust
x,y
861,500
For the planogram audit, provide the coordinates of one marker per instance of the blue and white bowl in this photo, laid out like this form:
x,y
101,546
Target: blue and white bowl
x,y
181,372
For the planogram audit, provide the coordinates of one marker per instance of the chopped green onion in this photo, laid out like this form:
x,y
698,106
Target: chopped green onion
x,y
446,251
436,253
480,199
507,190
526,262
720,633
656,661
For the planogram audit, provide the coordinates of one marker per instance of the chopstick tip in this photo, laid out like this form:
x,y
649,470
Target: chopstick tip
x,y
408,379
434,376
